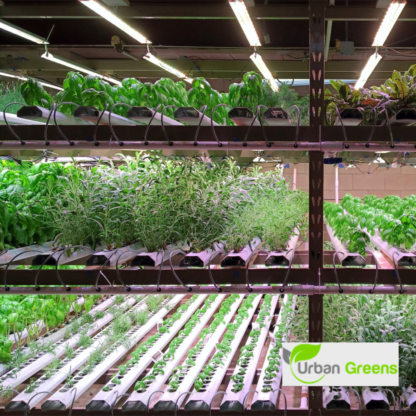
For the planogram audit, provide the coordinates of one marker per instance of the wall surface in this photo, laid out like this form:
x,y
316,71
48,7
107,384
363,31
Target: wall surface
x,y
358,181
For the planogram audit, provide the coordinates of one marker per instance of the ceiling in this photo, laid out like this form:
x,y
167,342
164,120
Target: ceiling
x,y
202,38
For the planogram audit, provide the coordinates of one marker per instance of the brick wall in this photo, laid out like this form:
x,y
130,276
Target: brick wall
x,y
381,182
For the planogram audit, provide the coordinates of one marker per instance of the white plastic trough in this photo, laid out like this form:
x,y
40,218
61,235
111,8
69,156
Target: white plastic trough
x,y
104,401
242,116
144,115
374,399
138,402
192,117
239,258
170,401
14,378
268,400
41,114
109,257
234,402
336,398
12,119
64,397
92,114
284,258
201,400
24,253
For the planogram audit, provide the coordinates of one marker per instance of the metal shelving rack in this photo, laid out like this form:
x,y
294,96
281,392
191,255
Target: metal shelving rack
x,y
316,139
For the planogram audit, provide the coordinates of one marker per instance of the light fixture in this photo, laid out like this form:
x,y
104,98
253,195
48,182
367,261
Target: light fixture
x,y
241,13
151,58
77,67
98,8
368,69
23,33
21,77
262,67
392,14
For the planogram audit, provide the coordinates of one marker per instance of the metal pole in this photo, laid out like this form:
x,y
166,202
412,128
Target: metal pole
x,y
336,185
294,177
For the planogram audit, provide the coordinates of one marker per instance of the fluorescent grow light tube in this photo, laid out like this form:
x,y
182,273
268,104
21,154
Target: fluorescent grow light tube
x,y
23,33
77,67
367,71
262,67
100,9
151,58
392,14
45,84
241,13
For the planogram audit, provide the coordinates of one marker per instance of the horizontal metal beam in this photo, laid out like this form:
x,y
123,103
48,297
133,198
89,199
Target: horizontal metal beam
x,y
210,289
197,11
281,69
235,276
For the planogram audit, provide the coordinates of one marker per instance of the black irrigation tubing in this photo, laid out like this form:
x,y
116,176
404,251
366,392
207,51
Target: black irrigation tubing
x,y
163,125
341,290
146,143
7,288
111,125
202,110
56,124
97,124
397,272
248,285
101,272
174,252
346,145
373,129
7,123
45,131
297,125
211,257
282,289
212,121
128,288
257,116
158,289
376,278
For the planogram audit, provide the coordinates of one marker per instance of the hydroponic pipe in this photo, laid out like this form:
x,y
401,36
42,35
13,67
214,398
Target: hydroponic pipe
x,y
209,289
344,256
254,146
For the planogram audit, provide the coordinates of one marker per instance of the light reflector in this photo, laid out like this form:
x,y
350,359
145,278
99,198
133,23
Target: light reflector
x,y
262,67
241,13
22,33
392,14
367,71
77,67
151,58
98,8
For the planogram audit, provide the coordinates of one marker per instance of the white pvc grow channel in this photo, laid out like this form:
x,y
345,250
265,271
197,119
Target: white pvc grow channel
x,y
15,337
172,400
234,401
267,400
64,397
276,116
92,115
284,258
145,114
374,398
28,400
12,119
239,258
139,400
107,397
109,257
336,398
344,256
15,377
410,395
24,253
242,116
192,117
56,335
200,259
52,257
201,400
153,258
37,113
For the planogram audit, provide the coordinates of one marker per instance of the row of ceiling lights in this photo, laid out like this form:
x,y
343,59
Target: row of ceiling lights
x,y
240,10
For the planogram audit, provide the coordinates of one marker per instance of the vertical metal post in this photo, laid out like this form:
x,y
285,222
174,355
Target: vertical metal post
x,y
336,185
316,177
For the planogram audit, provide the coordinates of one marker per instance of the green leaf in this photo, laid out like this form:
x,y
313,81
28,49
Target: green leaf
x,y
304,352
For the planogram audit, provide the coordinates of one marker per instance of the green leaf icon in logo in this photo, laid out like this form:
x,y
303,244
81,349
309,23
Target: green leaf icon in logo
x,y
304,352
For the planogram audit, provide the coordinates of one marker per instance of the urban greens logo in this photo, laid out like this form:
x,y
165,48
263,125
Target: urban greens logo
x,y
297,359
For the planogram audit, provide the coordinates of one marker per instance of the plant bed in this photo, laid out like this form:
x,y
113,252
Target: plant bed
x,y
138,401
246,367
63,398
105,400
209,380
197,357
266,396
